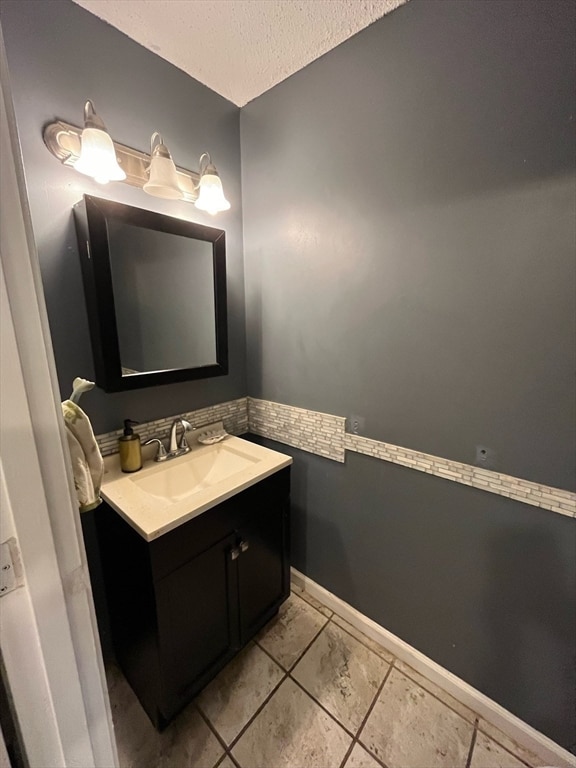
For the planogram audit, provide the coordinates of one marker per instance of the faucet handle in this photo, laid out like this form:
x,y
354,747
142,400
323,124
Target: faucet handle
x,y
186,427
161,454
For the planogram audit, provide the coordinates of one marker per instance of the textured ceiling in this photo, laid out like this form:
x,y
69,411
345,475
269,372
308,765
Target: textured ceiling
x,y
240,48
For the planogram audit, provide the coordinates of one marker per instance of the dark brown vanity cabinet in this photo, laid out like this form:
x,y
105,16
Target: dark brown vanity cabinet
x,y
182,605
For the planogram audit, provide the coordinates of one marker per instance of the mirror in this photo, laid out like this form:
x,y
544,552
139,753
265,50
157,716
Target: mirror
x,y
155,291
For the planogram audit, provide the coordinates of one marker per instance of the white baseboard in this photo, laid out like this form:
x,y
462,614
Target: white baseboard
x,y
550,753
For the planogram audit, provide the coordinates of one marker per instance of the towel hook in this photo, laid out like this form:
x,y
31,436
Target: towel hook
x,y
79,386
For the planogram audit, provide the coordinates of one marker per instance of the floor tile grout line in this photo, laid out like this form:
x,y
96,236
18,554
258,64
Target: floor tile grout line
x,y
285,676
356,738
272,692
243,730
391,655
233,759
300,593
472,744
308,693
347,753
301,654
284,669
435,696
322,707
287,673
221,760
264,650
310,644
514,753
394,658
212,729
407,674
391,663
507,749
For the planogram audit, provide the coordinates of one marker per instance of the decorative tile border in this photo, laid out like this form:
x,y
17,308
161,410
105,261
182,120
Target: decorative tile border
x,y
325,435
554,499
311,431
233,413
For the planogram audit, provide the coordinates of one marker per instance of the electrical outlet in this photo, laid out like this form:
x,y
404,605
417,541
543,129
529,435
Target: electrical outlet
x,y
485,457
357,425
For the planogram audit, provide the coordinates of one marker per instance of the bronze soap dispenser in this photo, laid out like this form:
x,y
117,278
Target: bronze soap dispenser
x,y
130,448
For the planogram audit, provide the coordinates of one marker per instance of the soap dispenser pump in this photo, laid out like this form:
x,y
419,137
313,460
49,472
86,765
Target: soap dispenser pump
x,y
130,448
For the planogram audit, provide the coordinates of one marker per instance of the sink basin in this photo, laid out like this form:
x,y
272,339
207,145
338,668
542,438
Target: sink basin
x,y
176,480
164,495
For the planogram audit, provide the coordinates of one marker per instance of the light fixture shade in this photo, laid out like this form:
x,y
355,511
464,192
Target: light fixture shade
x,y
210,195
97,154
163,180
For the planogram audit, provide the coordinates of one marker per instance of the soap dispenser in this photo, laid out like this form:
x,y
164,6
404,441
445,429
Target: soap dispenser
x,y
130,448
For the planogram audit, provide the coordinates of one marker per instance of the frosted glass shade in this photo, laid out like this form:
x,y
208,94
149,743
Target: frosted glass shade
x,y
163,181
211,195
98,157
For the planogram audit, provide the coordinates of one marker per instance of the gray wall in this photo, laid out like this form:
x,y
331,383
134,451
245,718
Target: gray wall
x,y
59,55
409,253
483,585
409,233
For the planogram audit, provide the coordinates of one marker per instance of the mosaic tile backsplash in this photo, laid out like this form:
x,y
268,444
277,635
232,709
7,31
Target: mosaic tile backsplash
x,y
325,435
555,499
233,413
311,431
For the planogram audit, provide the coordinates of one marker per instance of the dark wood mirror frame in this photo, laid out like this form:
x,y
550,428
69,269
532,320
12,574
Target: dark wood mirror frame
x,y
91,215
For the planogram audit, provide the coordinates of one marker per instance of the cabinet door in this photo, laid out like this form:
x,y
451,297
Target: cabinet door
x,y
197,609
263,565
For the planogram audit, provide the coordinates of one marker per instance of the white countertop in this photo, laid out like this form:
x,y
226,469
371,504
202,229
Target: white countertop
x,y
153,515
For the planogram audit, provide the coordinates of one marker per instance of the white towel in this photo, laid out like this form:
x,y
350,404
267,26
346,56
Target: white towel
x,y
87,463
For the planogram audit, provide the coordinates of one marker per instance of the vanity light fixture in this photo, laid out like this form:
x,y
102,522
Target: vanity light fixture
x,y
163,181
211,195
71,145
97,153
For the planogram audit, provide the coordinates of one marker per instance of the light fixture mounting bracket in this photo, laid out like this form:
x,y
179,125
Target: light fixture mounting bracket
x,y
64,142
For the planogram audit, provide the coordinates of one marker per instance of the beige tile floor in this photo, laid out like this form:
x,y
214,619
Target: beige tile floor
x,y
313,692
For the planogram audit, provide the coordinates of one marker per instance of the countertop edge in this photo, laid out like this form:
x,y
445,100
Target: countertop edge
x,y
153,534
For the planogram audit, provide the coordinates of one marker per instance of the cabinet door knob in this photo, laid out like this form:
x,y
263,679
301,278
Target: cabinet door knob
x,y
244,545
234,553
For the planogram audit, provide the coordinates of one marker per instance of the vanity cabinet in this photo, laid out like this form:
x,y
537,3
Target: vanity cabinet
x,y
181,606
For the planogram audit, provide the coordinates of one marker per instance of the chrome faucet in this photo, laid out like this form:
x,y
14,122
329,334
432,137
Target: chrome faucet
x,y
174,448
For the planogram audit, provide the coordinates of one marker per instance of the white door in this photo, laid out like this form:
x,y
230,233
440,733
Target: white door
x,y
48,631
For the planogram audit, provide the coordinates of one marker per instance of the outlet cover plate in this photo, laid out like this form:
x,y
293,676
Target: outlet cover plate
x,y
356,425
